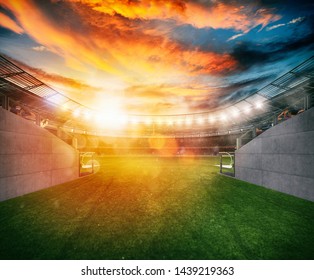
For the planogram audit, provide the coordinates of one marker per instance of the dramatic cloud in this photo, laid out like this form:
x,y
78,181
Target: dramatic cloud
x,y
216,15
73,47
101,54
299,19
8,23
275,26
248,54
221,96
293,21
235,37
39,48
155,55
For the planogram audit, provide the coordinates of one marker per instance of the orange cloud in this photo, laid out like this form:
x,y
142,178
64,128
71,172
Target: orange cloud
x,y
8,23
64,43
116,48
200,62
148,53
114,45
229,16
138,9
216,15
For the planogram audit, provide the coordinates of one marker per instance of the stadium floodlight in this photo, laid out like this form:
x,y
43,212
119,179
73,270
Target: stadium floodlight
x,y
122,119
134,120
100,118
211,119
200,120
159,121
87,115
259,105
148,121
76,113
169,122
64,107
223,117
188,121
235,113
247,110
179,121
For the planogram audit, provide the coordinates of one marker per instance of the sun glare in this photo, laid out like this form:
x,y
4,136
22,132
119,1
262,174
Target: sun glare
x,y
111,115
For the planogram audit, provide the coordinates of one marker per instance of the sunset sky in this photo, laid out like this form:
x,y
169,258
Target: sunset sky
x,y
157,56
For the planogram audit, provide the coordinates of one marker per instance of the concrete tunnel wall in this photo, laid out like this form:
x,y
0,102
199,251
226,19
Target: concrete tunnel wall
x,y
31,158
281,158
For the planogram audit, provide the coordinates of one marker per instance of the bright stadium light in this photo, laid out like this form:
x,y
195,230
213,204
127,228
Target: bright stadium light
x,y
76,113
148,121
134,120
235,113
64,107
159,121
100,118
87,115
188,121
259,105
122,119
113,115
223,117
200,120
211,119
247,110
169,122
179,121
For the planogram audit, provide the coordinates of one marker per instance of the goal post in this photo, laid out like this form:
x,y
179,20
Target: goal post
x,y
226,163
87,163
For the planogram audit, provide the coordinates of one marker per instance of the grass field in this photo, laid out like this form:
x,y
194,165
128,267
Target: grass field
x,y
149,208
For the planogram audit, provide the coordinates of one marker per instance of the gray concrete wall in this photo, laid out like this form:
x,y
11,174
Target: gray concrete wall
x,y
281,158
31,158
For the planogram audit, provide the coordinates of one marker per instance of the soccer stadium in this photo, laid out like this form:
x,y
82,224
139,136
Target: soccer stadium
x,y
156,130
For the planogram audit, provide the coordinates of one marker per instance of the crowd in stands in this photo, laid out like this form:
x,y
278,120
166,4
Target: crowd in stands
x,y
169,146
288,113
27,114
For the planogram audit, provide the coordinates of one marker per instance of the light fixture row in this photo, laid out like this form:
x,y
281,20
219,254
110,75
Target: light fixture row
x,y
188,120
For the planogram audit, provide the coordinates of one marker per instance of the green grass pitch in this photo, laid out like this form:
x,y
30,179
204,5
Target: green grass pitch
x,y
156,208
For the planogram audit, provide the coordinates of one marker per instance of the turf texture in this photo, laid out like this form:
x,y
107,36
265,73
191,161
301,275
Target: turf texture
x,y
157,208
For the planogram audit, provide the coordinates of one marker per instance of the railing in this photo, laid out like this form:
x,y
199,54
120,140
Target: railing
x,y
279,116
